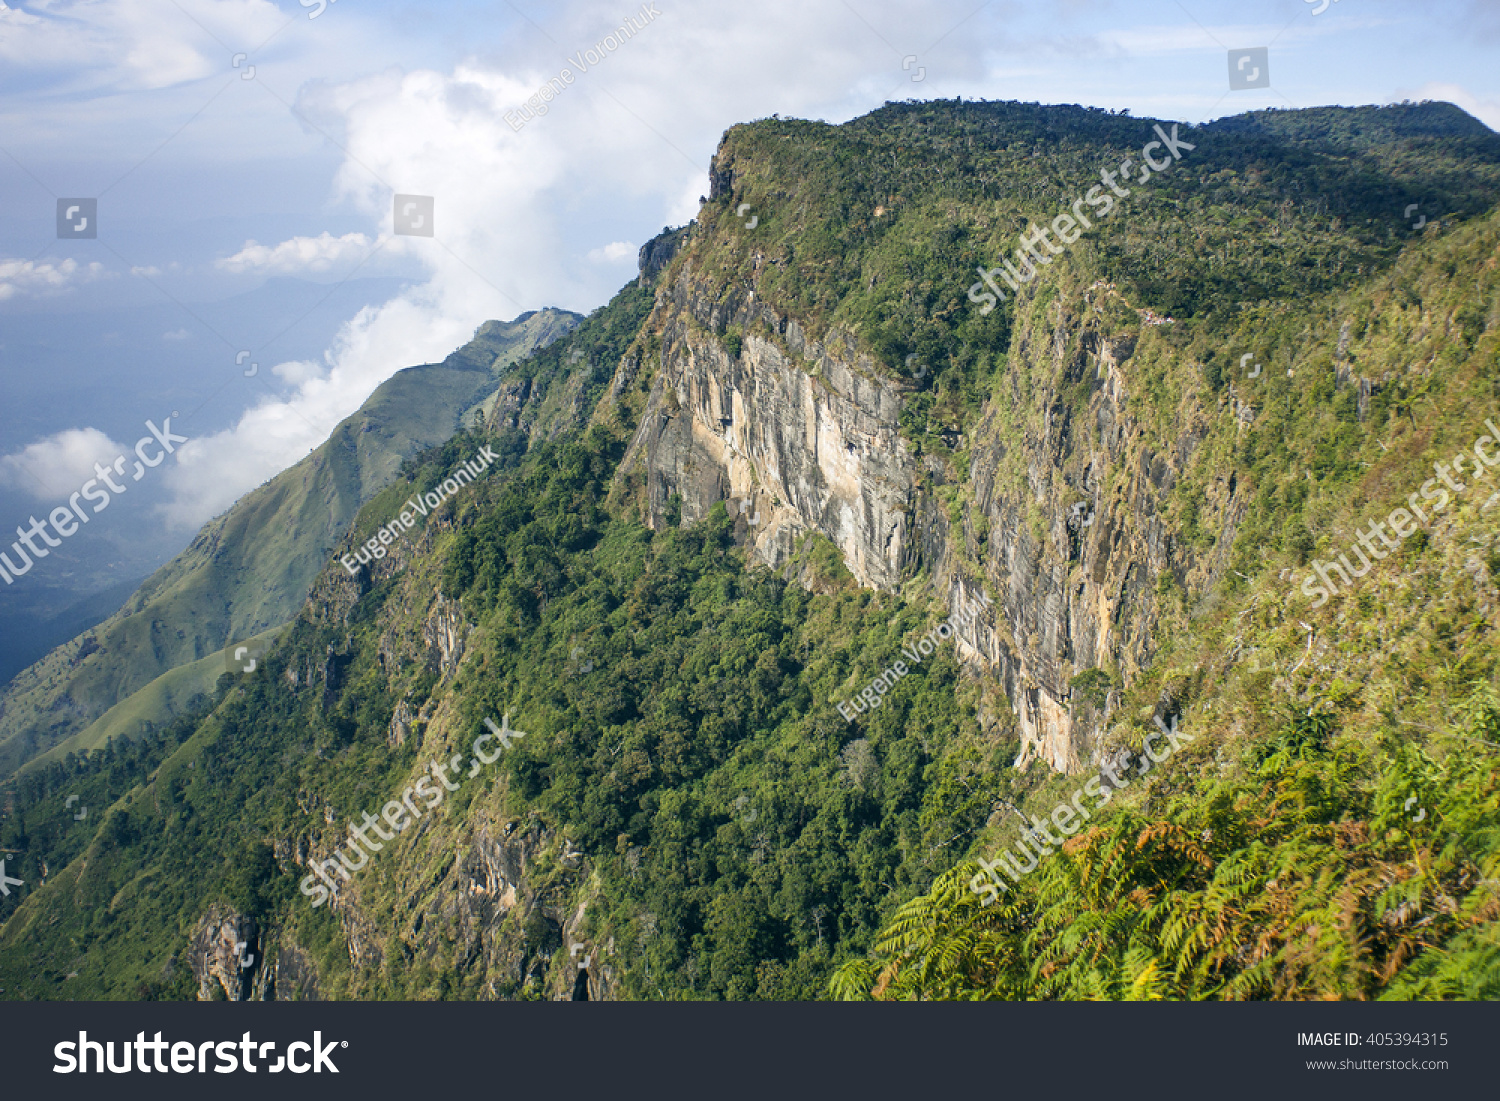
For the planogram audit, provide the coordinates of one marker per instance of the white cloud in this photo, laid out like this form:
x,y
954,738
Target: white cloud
x,y
613,253
214,471
175,334
76,45
300,254
144,271
1486,111
297,371
57,465
622,145
19,276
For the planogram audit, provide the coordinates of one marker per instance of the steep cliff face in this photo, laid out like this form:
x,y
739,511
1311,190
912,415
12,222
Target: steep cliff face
x,y
227,960
1057,514
1067,520
797,434
1071,453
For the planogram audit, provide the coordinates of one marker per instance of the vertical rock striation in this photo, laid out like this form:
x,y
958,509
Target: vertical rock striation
x,y
796,434
1064,495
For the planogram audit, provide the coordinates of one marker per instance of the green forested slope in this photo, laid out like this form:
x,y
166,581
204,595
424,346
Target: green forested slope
x,y
691,802
250,569
1334,828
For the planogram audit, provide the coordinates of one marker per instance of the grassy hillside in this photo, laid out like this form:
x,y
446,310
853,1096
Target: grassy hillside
x,y
250,569
185,689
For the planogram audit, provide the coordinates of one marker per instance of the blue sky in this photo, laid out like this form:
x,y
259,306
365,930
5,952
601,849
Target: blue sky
x,y
229,206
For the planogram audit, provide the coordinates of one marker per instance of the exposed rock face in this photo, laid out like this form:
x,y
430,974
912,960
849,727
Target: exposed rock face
x,y
445,632
658,252
509,400
1066,533
402,718
224,953
333,663
296,976
497,879
491,893
1072,573
798,440
233,958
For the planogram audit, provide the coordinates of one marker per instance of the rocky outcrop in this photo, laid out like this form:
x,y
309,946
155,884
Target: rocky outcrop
x,y
509,906
224,953
658,252
445,631
1063,502
402,720
797,435
500,878
510,398
296,976
233,958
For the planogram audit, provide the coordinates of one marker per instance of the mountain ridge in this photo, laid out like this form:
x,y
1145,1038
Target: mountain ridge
x,y
250,568
738,495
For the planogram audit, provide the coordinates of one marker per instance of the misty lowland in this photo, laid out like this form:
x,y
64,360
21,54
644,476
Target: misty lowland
x,y
993,551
